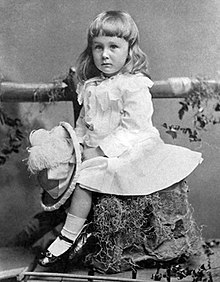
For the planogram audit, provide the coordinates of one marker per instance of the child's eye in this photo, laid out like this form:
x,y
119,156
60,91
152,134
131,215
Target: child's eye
x,y
98,47
113,46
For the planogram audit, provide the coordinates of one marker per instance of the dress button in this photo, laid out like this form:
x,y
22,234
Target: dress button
x,y
90,126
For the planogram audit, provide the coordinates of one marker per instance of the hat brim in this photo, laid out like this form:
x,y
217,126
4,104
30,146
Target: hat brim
x,y
47,201
49,185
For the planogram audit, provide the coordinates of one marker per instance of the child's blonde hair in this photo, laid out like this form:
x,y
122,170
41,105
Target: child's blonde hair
x,y
119,24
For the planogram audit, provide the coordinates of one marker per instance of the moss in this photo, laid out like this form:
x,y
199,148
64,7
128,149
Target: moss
x,y
130,230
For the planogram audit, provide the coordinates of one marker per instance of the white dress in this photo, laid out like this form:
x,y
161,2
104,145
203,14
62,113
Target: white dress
x,y
117,116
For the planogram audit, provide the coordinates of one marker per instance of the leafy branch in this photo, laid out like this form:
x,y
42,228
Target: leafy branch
x,y
13,126
53,94
14,136
204,101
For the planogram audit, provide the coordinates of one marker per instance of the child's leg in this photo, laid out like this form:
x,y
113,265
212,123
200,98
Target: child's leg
x,y
76,217
81,202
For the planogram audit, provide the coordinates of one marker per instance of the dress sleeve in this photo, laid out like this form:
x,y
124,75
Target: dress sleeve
x,y
80,128
135,125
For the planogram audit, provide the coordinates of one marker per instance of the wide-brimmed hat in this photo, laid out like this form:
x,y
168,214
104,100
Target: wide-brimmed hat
x,y
55,157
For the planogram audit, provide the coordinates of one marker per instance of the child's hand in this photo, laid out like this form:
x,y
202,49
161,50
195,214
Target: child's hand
x,y
90,153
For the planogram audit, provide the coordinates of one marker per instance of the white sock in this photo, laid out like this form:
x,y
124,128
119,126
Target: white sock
x,y
71,229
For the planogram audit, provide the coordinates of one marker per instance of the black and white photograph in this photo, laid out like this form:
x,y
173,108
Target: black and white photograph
x,y
110,140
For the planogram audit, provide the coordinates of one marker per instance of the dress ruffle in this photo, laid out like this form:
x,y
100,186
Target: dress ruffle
x,y
111,89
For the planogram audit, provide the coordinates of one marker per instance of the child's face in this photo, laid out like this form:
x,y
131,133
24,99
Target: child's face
x,y
109,54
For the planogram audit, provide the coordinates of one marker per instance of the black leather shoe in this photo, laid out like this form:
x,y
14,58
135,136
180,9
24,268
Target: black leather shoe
x,y
47,259
81,241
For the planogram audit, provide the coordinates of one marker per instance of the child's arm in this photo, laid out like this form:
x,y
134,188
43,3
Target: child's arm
x,y
136,124
80,126
87,152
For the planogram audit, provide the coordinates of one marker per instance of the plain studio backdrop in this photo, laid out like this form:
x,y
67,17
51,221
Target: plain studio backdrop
x,y
41,39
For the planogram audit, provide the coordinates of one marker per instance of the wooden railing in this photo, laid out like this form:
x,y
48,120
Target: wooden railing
x,y
43,92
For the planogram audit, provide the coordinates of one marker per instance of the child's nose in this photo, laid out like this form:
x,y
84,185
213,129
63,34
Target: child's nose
x,y
105,53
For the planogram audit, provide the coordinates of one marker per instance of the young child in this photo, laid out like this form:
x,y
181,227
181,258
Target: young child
x,y
122,151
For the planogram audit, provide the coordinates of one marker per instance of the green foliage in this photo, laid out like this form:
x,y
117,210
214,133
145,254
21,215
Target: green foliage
x,y
14,136
54,94
13,126
203,101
